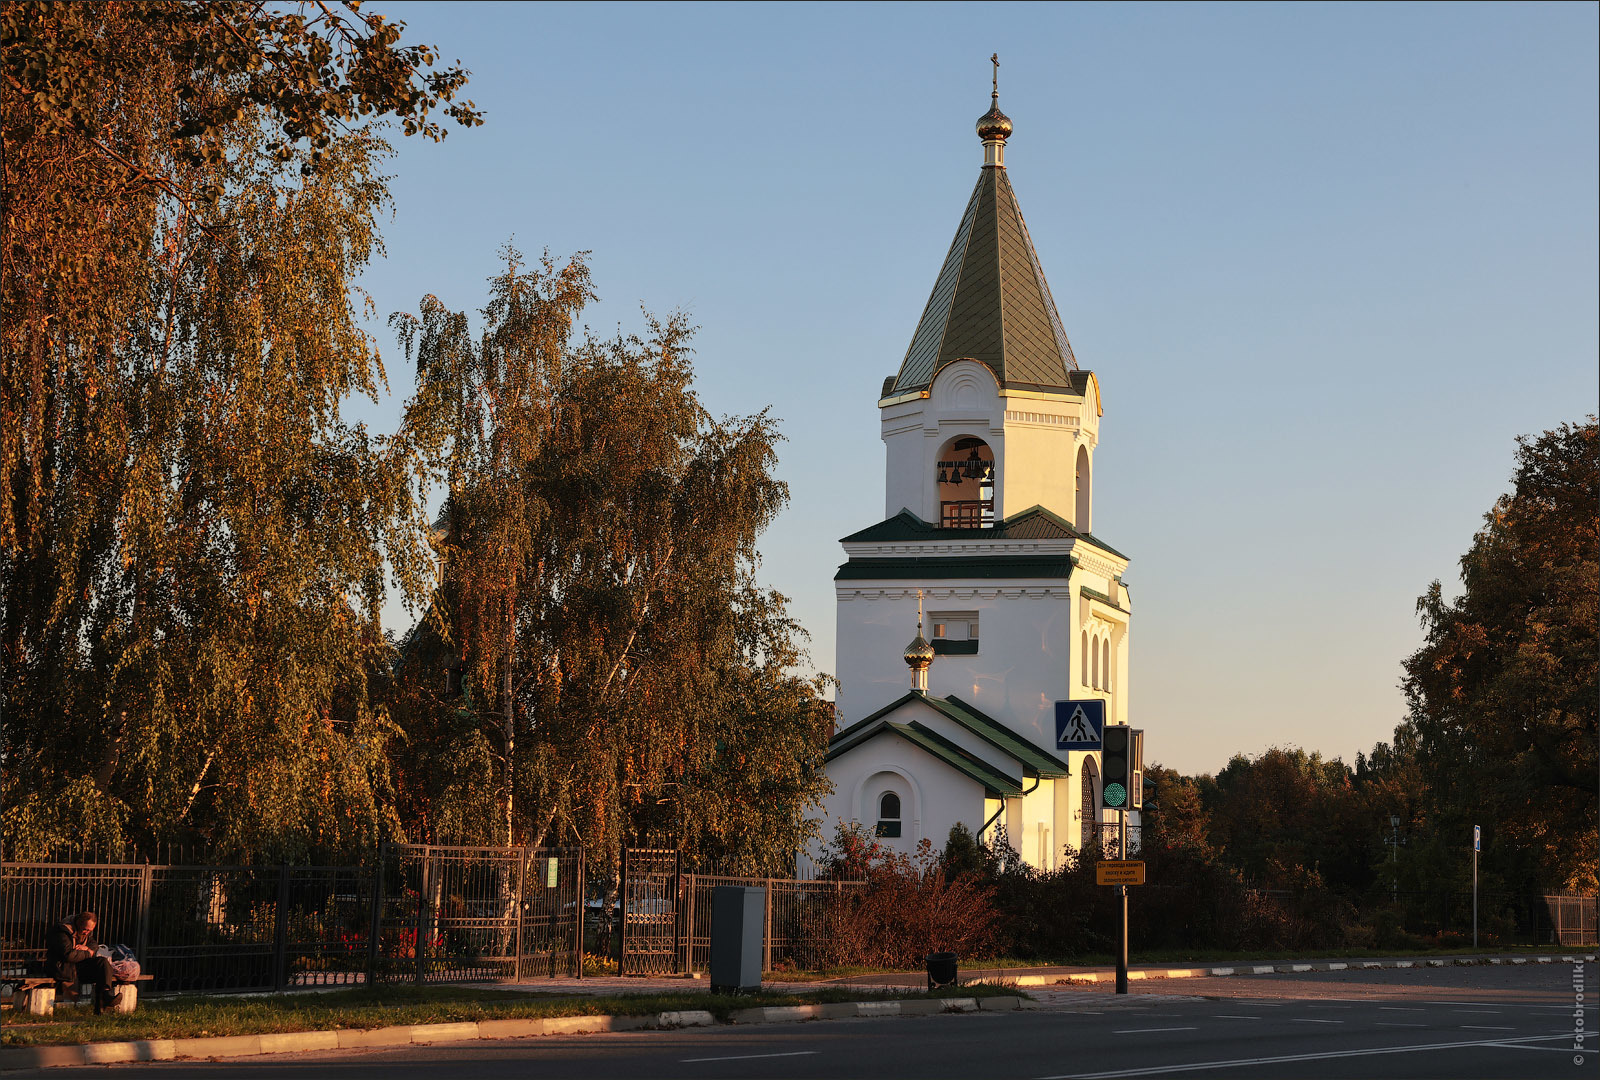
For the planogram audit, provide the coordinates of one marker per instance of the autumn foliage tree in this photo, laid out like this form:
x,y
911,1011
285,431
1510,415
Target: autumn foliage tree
x,y
1504,697
193,540
598,659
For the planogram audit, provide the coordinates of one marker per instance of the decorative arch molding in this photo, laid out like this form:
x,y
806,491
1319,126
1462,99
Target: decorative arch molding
x,y
967,388
864,813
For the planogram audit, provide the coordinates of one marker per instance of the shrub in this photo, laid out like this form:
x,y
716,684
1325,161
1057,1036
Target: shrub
x,y
911,906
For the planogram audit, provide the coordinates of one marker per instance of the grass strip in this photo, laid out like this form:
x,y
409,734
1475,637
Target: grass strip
x,y
199,1017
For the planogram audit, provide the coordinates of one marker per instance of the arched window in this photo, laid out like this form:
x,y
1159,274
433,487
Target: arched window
x,y
1085,486
1083,660
888,815
1105,663
966,483
1090,800
1094,662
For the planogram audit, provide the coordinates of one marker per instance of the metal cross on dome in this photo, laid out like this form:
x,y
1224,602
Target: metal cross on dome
x,y
994,58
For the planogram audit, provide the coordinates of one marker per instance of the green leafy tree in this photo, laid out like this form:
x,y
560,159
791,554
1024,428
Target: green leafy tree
x,y
193,541
1503,695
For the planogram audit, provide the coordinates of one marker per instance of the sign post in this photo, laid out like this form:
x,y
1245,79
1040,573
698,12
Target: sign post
x,y
1122,933
1477,845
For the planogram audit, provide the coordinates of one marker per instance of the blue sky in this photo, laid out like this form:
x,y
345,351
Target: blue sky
x,y
1327,262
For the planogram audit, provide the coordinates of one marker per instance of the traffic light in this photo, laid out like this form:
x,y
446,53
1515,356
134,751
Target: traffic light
x,y
1136,768
1122,768
1115,775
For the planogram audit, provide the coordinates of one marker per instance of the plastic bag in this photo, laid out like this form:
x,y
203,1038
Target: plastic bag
x,y
124,965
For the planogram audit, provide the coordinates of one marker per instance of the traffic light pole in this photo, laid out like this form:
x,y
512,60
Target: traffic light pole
x,y
1122,930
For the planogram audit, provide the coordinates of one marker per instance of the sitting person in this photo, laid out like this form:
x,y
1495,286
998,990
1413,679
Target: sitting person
x,y
72,957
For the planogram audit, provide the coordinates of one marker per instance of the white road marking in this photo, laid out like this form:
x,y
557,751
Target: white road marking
x,y
1485,1027
1518,1046
748,1057
1233,1016
1303,1020
1201,1066
1145,1031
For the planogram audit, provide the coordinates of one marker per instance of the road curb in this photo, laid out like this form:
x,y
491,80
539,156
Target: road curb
x,y
292,1042
1290,969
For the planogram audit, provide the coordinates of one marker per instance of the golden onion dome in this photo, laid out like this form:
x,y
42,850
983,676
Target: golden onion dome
x,y
919,653
994,124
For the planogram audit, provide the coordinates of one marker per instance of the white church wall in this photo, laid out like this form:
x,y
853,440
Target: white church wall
x,y
1017,675
939,796
1042,436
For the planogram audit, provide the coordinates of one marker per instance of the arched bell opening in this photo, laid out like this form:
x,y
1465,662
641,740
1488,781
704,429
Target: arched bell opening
x,y
1084,483
966,483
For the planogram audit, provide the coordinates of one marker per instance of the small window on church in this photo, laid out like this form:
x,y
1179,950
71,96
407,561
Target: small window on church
x,y
888,815
955,633
1105,662
1083,660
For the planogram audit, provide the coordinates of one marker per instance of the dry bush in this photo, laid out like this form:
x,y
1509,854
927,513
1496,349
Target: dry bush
x,y
911,907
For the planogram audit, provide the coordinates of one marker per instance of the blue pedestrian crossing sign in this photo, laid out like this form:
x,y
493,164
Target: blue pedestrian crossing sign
x,y
1080,724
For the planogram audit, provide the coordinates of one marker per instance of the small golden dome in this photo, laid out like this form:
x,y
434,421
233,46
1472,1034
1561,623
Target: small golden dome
x,y
919,653
994,124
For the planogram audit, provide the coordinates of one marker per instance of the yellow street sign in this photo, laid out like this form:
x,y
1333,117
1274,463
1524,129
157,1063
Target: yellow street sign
x,y
1119,872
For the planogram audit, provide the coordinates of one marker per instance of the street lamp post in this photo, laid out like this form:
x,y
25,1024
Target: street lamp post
x,y
1394,854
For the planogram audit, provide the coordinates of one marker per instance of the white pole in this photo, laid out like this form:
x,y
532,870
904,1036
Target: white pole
x,y
1474,886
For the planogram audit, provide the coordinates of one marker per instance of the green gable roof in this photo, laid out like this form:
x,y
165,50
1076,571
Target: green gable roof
x,y
963,761
1034,523
1034,761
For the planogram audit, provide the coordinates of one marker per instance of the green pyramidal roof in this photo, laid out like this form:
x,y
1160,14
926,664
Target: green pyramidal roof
x,y
991,302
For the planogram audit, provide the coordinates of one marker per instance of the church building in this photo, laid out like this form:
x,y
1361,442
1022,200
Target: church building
x,y
987,561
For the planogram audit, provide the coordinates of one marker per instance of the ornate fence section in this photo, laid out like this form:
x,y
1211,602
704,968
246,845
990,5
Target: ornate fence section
x,y
477,914
652,887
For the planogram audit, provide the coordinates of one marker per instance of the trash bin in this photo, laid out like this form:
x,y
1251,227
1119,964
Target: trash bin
x,y
737,924
941,970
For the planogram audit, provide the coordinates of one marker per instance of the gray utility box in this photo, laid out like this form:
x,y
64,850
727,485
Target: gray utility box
x,y
738,920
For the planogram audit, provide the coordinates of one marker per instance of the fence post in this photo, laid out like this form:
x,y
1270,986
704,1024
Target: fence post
x,y
766,932
622,915
141,943
688,924
280,936
374,938
423,884
583,913
522,880
677,907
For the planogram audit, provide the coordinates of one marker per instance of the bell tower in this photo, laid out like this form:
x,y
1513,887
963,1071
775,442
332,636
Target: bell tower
x,y
990,429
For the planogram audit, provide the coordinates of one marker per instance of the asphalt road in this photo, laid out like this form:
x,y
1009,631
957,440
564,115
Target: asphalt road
x,y
1462,1023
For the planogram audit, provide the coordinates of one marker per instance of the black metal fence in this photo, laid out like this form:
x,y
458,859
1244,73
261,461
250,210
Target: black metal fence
x,y
796,919
417,914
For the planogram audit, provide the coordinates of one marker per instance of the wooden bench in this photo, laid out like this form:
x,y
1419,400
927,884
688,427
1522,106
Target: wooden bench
x,y
36,994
